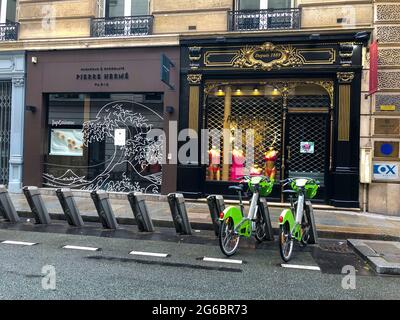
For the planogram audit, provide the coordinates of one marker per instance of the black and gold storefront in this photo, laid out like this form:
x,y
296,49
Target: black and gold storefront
x,y
299,97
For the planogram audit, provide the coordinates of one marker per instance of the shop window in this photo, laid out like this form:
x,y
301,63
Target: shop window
x,y
120,8
8,11
259,138
253,112
105,141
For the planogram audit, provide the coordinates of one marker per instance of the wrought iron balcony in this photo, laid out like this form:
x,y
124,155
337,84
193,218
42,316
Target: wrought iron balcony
x,y
121,26
9,31
269,19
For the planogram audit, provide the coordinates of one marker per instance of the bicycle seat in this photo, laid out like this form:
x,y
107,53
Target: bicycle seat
x,y
289,191
238,188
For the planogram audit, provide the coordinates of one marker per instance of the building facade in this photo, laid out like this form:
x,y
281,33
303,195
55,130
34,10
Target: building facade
x,y
311,66
296,92
97,110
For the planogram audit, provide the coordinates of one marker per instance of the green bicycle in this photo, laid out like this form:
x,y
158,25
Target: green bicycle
x,y
234,224
295,227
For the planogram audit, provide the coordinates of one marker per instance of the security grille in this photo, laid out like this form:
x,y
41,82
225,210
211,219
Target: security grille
x,y
215,121
262,114
308,127
5,124
308,101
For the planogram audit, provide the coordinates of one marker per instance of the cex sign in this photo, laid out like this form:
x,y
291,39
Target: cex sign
x,y
386,171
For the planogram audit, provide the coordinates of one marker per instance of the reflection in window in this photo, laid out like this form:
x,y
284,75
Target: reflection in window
x,y
263,4
8,11
120,8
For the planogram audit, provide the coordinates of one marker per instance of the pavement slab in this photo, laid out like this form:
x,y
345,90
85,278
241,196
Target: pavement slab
x,y
383,256
330,223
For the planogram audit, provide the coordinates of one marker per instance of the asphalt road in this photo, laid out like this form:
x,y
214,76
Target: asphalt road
x,y
112,273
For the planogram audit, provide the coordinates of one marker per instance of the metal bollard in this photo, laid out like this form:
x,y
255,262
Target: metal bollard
x,y
216,205
69,207
179,214
313,229
267,218
104,209
7,208
139,208
37,205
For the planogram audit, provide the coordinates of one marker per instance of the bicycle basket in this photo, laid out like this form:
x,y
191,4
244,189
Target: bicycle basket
x,y
310,189
265,186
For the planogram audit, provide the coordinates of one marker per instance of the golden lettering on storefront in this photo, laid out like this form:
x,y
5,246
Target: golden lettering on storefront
x,y
266,57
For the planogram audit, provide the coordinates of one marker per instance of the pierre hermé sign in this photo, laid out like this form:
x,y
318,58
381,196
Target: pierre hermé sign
x,y
101,76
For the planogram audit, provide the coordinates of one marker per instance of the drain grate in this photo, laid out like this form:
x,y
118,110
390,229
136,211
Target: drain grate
x,y
336,247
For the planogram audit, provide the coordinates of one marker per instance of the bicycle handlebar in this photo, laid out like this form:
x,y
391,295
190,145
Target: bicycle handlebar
x,y
289,180
246,178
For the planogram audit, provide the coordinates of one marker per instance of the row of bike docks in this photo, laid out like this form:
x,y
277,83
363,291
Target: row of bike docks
x,y
137,203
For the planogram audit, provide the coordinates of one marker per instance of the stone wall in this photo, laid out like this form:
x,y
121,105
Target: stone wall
x,y
383,194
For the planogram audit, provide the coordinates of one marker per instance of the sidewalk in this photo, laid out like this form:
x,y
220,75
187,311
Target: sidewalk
x,y
330,223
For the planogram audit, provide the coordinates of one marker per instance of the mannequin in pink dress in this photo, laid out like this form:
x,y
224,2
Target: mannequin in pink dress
x,y
237,168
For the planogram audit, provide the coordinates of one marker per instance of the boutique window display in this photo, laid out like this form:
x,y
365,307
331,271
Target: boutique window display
x,y
105,141
245,107
289,121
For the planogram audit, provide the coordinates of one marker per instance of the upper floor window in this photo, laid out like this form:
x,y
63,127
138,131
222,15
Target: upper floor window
x,y
8,11
263,4
120,8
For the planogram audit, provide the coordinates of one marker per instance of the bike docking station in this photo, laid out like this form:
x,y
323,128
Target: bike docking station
x,y
104,210
36,203
140,211
216,205
176,203
7,209
269,232
313,229
69,207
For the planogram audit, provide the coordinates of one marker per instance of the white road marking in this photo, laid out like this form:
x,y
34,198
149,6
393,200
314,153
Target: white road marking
x,y
81,248
20,243
222,260
297,266
151,254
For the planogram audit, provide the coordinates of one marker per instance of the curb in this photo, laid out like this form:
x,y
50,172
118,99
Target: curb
x,y
375,259
328,234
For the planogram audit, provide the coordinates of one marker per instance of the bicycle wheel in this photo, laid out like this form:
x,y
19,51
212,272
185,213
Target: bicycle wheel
x,y
261,227
285,243
228,240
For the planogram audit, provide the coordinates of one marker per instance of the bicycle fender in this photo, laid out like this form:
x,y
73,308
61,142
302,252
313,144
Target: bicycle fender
x,y
287,217
234,213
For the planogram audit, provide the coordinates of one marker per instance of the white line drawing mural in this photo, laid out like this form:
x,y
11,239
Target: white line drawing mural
x,y
140,151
